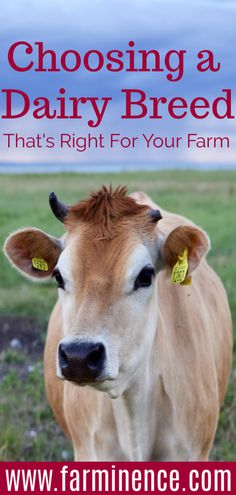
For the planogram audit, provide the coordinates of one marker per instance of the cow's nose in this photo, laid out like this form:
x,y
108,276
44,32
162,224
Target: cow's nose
x,y
81,361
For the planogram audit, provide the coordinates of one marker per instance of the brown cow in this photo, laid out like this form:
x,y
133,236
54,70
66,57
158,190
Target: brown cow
x,y
136,367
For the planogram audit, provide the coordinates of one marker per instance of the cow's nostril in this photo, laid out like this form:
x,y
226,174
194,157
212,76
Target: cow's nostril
x,y
64,359
96,356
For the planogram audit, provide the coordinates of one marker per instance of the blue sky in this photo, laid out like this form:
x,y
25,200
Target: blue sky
x,y
106,25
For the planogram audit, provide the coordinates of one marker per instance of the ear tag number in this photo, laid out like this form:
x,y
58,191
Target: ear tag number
x,y
40,264
180,270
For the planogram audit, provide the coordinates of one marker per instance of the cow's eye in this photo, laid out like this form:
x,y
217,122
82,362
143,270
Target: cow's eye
x,y
58,278
144,279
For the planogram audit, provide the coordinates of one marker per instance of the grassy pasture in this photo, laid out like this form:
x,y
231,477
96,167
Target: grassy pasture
x,y
27,429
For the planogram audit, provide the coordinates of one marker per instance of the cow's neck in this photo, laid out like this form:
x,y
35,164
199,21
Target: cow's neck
x,y
133,418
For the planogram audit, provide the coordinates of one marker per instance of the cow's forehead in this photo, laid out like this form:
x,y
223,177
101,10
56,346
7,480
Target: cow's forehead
x,y
103,230
105,261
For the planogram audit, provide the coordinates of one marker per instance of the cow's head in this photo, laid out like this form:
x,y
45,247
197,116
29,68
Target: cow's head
x,y
105,267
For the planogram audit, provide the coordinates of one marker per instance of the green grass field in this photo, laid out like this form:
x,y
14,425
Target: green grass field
x,y
27,428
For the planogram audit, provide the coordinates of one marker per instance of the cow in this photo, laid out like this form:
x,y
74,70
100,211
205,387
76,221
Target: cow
x,y
139,344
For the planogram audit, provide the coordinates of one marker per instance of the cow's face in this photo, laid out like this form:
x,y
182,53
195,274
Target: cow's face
x,y
106,275
107,291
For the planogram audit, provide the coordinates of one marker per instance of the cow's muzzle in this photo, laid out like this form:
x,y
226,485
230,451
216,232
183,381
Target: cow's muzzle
x,y
81,362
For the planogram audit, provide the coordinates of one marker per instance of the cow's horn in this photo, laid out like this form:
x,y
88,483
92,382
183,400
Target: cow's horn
x,y
155,215
60,211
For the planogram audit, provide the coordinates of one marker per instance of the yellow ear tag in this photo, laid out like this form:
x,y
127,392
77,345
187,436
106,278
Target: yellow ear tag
x,y
40,264
180,270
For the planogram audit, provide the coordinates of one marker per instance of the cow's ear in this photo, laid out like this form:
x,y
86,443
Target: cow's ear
x,y
33,252
193,238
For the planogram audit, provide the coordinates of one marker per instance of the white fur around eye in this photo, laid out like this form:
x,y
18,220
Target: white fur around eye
x,y
137,260
64,266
